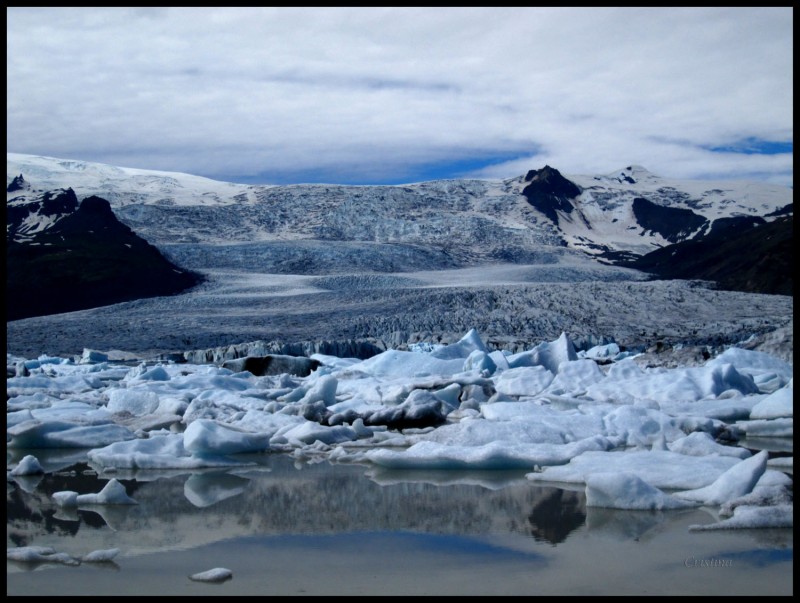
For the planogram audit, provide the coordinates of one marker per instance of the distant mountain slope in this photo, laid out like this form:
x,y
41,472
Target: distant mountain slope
x,y
63,255
746,255
541,216
595,214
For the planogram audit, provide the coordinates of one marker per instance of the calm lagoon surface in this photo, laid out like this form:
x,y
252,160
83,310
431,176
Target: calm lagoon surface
x,y
288,527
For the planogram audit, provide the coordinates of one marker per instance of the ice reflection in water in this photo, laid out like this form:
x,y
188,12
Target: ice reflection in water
x,y
273,519
283,496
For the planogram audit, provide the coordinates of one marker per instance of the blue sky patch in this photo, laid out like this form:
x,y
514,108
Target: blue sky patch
x,y
755,146
455,169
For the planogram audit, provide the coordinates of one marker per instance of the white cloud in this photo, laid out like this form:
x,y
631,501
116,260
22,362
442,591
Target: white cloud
x,y
361,91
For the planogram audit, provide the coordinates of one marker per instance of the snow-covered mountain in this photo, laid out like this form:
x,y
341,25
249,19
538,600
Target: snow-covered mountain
x,y
629,212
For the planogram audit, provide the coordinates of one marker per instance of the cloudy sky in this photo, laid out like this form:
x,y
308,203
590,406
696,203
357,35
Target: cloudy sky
x,y
397,95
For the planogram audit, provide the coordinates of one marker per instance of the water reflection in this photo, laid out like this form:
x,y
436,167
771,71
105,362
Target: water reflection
x,y
206,489
99,516
279,496
624,525
289,527
276,496
557,514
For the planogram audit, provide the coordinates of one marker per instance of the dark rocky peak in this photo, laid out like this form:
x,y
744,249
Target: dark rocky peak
x,y
96,205
17,184
545,174
94,214
550,192
626,177
60,201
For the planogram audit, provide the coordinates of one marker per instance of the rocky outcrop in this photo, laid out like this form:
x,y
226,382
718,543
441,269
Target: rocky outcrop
x,y
673,223
739,255
83,259
550,192
23,220
17,184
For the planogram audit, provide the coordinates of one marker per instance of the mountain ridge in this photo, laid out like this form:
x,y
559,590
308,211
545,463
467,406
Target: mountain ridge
x,y
544,216
600,224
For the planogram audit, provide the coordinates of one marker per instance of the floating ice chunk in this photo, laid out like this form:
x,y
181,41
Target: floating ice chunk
x,y
768,428
29,465
40,554
753,363
323,390
761,496
523,381
66,498
64,434
113,493
778,404
397,363
92,356
28,553
660,468
137,401
747,517
735,482
463,348
700,443
500,360
480,361
157,452
574,377
490,456
640,426
628,491
205,436
310,432
100,556
549,355
601,352
218,574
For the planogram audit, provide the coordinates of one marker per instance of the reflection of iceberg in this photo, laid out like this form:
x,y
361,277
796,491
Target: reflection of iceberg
x,y
632,525
28,482
206,489
142,475
108,565
491,480
114,516
66,514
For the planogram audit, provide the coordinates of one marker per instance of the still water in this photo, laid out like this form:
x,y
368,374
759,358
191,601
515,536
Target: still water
x,y
286,527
